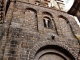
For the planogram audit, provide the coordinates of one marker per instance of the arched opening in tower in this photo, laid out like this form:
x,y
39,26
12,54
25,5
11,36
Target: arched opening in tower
x,y
53,52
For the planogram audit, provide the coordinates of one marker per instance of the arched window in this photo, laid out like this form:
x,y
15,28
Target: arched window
x,y
47,20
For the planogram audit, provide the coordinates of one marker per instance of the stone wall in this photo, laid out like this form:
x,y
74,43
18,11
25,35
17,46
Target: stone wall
x,y
26,34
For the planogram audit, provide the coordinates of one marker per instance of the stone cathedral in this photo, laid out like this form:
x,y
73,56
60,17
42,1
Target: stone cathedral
x,y
31,30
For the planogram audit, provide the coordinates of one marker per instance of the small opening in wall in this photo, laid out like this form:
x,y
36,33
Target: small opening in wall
x,y
67,21
52,37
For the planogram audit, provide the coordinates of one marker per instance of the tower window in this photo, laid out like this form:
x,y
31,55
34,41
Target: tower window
x,y
47,20
47,23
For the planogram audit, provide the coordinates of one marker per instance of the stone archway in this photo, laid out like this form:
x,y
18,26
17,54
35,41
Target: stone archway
x,y
50,55
52,52
53,49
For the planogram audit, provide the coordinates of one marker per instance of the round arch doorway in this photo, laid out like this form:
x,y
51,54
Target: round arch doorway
x,y
53,53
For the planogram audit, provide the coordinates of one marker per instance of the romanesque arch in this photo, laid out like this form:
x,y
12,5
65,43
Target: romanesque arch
x,y
61,16
47,20
47,13
48,47
51,51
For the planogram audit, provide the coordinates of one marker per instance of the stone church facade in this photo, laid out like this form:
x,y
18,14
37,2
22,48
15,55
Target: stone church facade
x,y
33,31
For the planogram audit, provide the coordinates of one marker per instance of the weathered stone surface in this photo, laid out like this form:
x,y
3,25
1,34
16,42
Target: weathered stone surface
x,y
27,34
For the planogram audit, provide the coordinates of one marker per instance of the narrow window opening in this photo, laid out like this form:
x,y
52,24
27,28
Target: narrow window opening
x,y
47,19
44,22
53,37
49,24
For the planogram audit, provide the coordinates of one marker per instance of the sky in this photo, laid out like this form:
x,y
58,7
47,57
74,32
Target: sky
x,y
68,4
